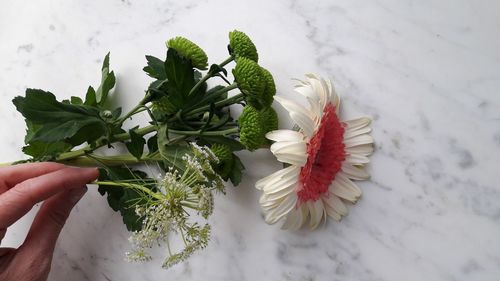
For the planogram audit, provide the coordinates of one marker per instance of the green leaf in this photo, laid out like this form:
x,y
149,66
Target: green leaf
x,y
180,76
136,144
42,151
117,112
58,121
171,154
107,82
153,144
76,100
233,144
121,199
215,68
90,98
236,172
155,68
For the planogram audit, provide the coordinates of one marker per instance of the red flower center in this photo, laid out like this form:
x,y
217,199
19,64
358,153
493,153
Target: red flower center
x,y
325,154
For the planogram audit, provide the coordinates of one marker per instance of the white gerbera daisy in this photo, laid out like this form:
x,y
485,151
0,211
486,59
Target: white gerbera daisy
x,y
321,157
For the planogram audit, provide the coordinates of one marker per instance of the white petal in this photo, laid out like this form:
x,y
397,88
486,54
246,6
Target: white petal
x,y
354,172
356,124
285,183
280,194
285,135
332,213
291,152
365,149
336,204
306,123
356,159
267,204
301,116
285,206
345,188
358,140
275,177
294,220
308,92
317,211
356,132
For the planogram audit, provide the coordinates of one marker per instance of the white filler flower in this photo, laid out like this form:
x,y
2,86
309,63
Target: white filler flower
x,y
322,158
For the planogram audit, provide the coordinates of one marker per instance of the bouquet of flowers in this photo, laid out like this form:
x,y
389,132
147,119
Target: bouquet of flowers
x,y
191,142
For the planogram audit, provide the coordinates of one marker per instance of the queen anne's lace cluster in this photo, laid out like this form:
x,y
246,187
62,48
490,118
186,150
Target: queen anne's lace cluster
x,y
178,194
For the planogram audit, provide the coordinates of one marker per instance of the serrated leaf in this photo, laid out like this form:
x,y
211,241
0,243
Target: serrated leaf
x,y
180,78
155,68
136,144
57,121
41,151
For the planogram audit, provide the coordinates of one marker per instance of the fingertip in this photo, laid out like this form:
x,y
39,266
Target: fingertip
x,y
89,174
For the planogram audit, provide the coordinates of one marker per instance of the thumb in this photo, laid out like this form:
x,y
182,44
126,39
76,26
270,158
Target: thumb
x,y
49,222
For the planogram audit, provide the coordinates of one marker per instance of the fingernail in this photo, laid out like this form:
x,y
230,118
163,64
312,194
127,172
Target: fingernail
x,y
76,194
91,172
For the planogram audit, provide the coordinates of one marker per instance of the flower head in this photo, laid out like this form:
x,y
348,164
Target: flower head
x,y
251,82
323,157
190,51
240,46
269,119
252,134
269,89
167,211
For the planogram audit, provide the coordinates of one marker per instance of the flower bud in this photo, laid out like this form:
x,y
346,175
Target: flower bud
x,y
269,89
240,46
252,134
222,152
226,161
250,80
269,119
189,51
163,106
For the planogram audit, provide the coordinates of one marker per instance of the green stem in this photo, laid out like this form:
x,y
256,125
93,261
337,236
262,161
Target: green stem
x,y
6,164
209,75
138,108
130,185
228,60
91,160
198,85
232,100
142,131
87,149
210,133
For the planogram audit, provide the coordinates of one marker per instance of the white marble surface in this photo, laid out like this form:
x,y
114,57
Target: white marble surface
x,y
426,71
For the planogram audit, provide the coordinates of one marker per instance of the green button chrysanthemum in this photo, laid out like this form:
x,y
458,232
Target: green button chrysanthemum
x,y
226,161
240,45
190,51
251,131
269,119
249,77
269,89
222,152
164,106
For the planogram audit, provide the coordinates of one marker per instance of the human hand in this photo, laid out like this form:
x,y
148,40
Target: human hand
x,y
23,186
